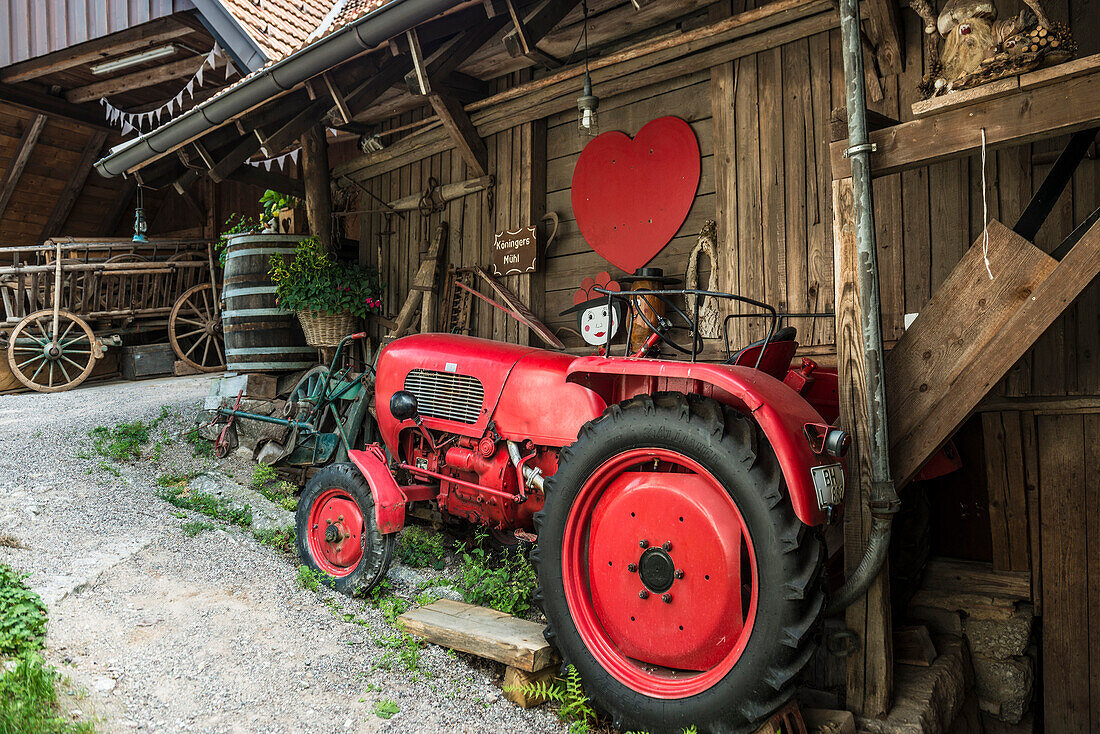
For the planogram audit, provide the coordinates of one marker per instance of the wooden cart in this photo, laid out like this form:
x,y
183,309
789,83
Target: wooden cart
x,y
66,301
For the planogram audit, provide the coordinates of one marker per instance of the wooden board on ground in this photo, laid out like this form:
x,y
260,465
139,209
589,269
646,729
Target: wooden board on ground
x,y
483,632
913,646
972,331
825,721
975,577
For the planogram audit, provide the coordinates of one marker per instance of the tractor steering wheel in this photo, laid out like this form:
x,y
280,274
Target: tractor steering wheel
x,y
664,325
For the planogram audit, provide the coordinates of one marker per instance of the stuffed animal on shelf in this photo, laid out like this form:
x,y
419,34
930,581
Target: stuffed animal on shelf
x,y
977,48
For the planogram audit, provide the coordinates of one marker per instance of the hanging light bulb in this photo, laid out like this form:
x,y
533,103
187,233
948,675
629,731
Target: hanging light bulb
x,y
587,106
587,103
140,226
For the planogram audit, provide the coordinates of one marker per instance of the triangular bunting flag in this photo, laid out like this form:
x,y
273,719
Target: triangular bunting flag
x,y
294,155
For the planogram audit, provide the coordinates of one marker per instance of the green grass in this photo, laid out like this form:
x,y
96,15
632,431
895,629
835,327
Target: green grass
x,y
28,692
205,504
421,548
122,442
200,445
281,539
310,579
196,527
506,585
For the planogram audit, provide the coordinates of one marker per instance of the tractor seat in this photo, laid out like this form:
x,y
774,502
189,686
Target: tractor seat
x,y
777,357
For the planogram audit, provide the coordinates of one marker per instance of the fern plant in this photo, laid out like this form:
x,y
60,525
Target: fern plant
x,y
574,708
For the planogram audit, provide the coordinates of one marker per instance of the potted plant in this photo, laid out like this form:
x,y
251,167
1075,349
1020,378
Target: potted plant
x,y
278,213
329,296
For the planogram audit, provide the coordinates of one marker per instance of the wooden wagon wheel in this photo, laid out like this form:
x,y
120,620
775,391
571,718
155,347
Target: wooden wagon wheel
x,y
51,356
195,329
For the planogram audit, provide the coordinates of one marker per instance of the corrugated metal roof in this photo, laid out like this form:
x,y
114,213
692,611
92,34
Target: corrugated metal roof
x,y
30,28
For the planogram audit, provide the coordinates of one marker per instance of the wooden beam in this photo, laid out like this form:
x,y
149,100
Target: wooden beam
x,y
462,132
131,40
75,185
337,97
34,100
387,75
420,71
254,176
139,79
318,185
234,159
19,160
453,53
293,129
971,332
522,40
870,666
884,32
1022,117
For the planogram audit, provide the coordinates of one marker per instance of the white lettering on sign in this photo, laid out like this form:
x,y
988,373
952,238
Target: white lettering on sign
x,y
515,252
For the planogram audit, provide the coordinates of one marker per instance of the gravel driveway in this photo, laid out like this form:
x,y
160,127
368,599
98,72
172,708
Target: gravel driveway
x,y
160,632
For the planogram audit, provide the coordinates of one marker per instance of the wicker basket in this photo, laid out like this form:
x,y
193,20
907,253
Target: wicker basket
x,y
326,329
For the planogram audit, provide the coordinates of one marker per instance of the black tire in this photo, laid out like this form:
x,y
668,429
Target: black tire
x,y
377,548
789,557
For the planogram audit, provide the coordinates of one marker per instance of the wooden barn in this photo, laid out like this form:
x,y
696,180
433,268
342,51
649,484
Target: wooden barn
x,y
396,117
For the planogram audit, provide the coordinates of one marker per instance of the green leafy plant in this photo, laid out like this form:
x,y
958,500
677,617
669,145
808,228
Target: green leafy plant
x,y
122,442
275,203
311,580
281,539
200,445
506,586
235,224
421,548
22,614
315,281
386,708
28,700
265,480
218,508
574,708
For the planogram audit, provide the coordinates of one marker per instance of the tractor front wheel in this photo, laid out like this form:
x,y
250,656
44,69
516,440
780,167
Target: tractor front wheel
x,y
337,535
674,573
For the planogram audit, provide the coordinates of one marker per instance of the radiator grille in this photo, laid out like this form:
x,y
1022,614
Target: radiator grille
x,y
446,395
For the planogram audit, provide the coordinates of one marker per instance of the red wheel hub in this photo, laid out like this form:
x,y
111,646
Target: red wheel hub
x,y
659,573
335,532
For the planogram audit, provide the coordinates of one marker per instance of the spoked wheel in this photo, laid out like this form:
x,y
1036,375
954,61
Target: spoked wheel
x,y
675,575
195,329
49,359
336,530
305,401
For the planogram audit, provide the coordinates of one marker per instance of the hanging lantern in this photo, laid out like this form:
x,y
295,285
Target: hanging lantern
x,y
140,226
587,106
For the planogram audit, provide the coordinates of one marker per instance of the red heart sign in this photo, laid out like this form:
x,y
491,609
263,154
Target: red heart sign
x,y
631,197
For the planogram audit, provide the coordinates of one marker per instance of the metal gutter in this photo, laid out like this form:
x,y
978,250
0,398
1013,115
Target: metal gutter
x,y
244,49
374,28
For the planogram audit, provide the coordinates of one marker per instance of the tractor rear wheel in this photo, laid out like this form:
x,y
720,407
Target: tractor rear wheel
x,y
337,535
674,573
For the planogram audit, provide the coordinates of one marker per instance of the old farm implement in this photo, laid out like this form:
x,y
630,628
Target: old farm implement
x,y
323,417
65,302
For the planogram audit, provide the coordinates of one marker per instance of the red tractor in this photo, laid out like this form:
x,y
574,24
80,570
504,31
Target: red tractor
x,y
677,505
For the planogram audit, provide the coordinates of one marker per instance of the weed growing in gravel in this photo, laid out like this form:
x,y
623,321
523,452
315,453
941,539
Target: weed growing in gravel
x,y
386,708
506,587
421,548
310,579
123,442
28,693
195,527
200,445
206,504
281,539
265,480
8,540
402,648
178,479
22,614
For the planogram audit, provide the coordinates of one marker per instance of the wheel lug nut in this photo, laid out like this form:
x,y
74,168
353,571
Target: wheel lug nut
x,y
679,573
643,543
666,598
632,567
667,545
643,594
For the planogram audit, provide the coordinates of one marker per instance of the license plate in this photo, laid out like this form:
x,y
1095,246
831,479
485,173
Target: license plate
x,y
829,483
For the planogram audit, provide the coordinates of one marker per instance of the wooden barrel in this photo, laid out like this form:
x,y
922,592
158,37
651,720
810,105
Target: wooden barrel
x,y
259,335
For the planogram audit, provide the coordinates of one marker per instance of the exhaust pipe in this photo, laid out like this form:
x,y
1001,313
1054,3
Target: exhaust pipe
x,y
884,497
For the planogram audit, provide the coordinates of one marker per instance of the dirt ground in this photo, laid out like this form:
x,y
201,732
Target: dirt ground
x,y
158,631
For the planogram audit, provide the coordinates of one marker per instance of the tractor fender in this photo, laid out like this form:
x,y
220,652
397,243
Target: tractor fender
x,y
389,500
780,412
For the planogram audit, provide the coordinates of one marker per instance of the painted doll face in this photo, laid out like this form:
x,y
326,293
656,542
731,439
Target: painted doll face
x,y
597,322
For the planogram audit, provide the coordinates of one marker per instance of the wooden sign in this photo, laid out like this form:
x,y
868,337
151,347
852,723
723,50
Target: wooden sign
x,y
515,252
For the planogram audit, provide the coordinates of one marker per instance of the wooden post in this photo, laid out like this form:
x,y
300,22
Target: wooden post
x,y
871,663
532,206
315,172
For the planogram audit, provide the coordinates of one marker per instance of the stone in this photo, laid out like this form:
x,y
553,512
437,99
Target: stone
x,y
266,515
1004,686
1000,639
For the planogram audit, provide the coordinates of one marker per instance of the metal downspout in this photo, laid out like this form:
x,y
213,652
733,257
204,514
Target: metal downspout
x,y
884,498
